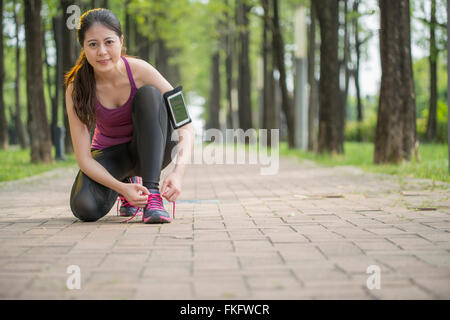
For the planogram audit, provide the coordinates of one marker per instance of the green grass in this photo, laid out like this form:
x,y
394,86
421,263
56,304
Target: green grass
x,y
433,164
15,164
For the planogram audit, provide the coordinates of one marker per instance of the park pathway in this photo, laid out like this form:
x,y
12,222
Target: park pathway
x,y
307,232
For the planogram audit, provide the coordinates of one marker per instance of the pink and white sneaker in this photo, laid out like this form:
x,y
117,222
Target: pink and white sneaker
x,y
154,211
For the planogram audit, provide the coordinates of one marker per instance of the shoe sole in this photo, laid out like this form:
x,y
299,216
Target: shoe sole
x,y
156,218
127,214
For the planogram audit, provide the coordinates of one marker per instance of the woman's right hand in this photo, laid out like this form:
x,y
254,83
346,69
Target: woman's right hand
x,y
136,194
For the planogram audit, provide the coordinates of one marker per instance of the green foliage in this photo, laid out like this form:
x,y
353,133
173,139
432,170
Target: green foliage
x,y
365,129
433,164
15,164
441,118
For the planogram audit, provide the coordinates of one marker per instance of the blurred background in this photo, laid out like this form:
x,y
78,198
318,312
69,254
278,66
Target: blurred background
x,y
346,81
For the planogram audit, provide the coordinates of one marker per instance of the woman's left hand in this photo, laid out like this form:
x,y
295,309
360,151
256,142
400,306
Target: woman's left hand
x,y
171,187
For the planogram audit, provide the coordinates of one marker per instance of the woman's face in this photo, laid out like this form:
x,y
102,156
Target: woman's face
x,y
102,47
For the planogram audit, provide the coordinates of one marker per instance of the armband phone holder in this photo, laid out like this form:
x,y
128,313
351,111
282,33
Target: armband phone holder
x,y
176,107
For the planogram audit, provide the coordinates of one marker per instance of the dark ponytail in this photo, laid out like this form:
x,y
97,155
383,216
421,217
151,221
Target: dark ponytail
x,y
82,74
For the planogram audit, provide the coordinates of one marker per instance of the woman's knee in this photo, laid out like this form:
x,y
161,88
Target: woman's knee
x,y
85,209
147,98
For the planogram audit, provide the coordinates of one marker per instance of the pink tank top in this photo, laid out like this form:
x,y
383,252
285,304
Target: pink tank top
x,y
114,126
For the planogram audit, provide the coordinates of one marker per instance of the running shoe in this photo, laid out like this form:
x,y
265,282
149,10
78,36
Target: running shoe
x,y
154,211
127,209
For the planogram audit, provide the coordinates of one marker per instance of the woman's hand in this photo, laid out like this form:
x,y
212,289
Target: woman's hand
x,y
171,187
136,194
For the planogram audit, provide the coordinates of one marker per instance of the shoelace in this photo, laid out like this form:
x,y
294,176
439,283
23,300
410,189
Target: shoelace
x,y
154,203
125,203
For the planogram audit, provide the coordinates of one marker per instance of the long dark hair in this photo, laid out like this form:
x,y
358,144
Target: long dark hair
x,y
82,74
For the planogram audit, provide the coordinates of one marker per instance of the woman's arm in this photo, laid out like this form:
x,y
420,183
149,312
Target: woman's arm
x,y
147,74
94,170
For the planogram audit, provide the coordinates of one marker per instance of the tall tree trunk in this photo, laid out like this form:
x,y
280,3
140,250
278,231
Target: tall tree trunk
x,y
244,76
344,91
57,33
327,12
228,64
161,58
68,61
278,46
142,44
432,122
38,127
313,103
129,22
448,86
53,101
3,123
214,96
359,107
396,129
270,111
20,128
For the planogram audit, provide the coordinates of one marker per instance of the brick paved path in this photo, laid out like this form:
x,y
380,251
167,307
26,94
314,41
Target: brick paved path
x,y
306,233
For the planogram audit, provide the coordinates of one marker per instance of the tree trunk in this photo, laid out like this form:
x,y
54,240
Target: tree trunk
x,y
68,61
313,103
20,128
3,123
57,33
278,46
214,97
38,127
359,107
344,64
432,122
161,58
129,22
327,11
396,129
244,76
270,111
448,86
53,101
229,65
142,44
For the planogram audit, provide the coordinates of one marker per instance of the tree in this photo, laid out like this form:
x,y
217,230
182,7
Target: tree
x,y
278,49
313,103
448,85
327,12
433,58
57,25
229,45
68,61
20,128
244,76
358,44
395,135
3,124
214,97
344,64
38,127
271,114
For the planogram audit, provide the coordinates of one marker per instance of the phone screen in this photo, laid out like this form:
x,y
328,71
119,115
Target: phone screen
x,y
178,108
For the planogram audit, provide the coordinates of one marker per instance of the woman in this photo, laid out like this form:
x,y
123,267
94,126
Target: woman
x,y
121,97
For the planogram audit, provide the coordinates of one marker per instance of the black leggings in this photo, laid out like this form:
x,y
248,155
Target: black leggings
x,y
146,155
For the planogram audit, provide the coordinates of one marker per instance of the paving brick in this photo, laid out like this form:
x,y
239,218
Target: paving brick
x,y
307,232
